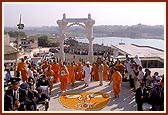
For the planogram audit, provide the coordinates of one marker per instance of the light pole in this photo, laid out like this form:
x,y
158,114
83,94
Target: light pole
x,y
20,26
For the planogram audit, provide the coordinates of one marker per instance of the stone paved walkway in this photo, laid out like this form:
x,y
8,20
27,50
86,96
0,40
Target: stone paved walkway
x,y
125,102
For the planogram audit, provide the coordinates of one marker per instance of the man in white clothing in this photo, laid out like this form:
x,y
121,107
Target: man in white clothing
x,y
30,72
128,68
140,75
138,60
87,73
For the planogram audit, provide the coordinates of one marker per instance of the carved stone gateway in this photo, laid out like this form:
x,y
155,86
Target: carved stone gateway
x,y
86,23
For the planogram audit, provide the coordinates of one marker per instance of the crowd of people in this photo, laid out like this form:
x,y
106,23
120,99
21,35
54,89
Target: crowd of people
x,y
30,79
98,50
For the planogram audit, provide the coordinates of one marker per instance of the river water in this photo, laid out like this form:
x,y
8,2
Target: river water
x,y
108,41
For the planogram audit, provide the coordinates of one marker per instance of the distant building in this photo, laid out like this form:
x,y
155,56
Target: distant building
x,y
7,39
29,42
150,57
10,52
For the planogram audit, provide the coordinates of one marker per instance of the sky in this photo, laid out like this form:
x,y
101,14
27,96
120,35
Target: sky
x,y
104,13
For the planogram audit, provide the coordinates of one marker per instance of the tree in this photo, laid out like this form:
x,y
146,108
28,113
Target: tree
x,y
53,44
15,34
43,41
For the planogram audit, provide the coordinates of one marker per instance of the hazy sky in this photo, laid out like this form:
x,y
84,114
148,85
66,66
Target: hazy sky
x,y
104,13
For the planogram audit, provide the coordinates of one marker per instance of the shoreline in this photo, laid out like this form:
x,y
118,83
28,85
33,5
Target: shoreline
x,y
108,41
123,38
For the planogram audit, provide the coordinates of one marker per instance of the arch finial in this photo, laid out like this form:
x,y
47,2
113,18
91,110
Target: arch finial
x,y
64,16
89,16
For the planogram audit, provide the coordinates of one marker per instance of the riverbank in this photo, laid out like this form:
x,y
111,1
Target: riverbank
x,y
108,41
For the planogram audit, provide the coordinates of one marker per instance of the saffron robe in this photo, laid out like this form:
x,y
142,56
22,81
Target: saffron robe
x,y
55,68
79,72
95,73
105,72
117,80
22,67
71,70
64,77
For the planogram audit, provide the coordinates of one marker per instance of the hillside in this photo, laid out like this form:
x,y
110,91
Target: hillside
x,y
134,31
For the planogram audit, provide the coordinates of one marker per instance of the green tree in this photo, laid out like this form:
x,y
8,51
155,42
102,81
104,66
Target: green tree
x,y
15,34
53,44
43,41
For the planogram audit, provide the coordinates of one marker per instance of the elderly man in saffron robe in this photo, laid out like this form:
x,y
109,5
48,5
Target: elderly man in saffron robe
x,y
95,72
117,80
79,71
105,71
22,67
63,76
50,75
71,70
55,68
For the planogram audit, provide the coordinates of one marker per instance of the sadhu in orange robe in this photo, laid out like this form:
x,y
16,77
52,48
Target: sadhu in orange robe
x,y
55,68
95,72
105,71
79,72
120,68
117,80
22,67
64,77
71,70
50,74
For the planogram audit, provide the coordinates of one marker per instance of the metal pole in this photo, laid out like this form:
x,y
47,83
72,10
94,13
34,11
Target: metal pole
x,y
18,41
20,26
18,45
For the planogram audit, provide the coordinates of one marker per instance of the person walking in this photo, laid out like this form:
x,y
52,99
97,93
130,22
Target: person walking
x,y
100,70
117,80
50,75
87,73
71,70
105,71
79,71
95,74
22,67
55,68
63,76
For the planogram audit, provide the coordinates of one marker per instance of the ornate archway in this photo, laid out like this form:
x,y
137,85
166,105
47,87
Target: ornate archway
x,y
86,23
